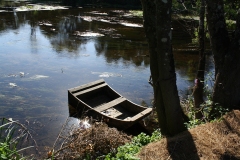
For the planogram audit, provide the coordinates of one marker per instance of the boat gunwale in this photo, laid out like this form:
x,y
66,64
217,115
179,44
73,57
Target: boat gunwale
x,y
80,88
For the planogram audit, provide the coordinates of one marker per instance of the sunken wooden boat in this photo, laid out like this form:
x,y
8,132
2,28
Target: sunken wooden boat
x,y
98,100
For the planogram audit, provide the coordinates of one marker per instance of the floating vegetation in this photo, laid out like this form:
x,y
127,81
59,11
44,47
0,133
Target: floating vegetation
x,y
17,98
2,96
88,34
109,20
107,30
107,74
34,7
98,13
46,90
84,55
12,84
21,74
19,109
48,24
11,75
37,77
87,18
137,13
131,24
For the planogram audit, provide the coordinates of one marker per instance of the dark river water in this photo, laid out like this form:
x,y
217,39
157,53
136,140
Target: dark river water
x,y
44,53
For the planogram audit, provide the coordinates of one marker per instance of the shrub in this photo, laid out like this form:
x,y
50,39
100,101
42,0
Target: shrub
x,y
129,150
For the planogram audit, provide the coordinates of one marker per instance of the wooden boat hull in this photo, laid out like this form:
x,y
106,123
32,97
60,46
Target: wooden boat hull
x,y
98,100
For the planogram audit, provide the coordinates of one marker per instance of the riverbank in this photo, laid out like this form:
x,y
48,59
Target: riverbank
x,y
216,140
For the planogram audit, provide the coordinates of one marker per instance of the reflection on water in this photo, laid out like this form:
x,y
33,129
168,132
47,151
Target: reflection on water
x,y
45,47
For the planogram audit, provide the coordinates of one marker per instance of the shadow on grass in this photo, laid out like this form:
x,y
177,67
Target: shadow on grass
x,y
182,147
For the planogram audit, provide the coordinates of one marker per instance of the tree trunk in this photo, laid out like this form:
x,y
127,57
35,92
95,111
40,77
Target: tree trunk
x,y
199,81
218,32
226,56
157,24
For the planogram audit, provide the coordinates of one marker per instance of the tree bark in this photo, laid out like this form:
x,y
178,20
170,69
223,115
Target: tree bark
x,y
226,56
157,24
199,81
218,32
149,16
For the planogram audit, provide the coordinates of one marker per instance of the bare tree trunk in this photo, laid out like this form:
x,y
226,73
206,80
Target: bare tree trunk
x,y
226,56
157,24
218,32
199,81
149,16
166,66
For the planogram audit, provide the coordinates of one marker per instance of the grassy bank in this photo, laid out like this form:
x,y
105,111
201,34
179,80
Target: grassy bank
x,y
218,139
215,140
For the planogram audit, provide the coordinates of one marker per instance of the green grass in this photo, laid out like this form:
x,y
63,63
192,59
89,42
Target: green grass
x,y
9,141
129,150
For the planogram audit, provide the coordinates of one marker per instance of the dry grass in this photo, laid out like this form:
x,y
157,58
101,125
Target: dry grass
x,y
93,142
218,140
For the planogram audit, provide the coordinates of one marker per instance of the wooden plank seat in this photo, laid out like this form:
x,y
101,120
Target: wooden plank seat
x,y
139,115
90,89
116,114
110,104
86,86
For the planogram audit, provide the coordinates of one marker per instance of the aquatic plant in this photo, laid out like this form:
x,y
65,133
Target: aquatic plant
x,y
12,135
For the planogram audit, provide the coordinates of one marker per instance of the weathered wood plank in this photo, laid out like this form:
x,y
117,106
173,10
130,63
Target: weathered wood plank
x,y
116,114
85,86
90,89
110,104
140,115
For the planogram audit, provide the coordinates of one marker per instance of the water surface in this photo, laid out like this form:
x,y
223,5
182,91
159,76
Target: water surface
x,y
44,53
